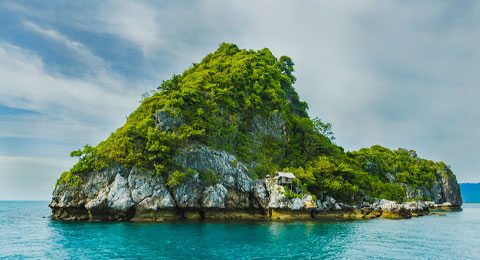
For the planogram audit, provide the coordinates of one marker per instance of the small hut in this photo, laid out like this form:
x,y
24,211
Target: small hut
x,y
284,178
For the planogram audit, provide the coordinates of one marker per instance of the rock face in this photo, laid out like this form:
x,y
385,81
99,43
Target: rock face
x,y
444,189
233,100
389,209
117,193
167,119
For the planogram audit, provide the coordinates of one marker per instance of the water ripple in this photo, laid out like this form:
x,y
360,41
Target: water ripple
x,y
25,233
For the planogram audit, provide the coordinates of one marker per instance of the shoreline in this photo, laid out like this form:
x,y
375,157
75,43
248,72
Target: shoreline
x,y
174,215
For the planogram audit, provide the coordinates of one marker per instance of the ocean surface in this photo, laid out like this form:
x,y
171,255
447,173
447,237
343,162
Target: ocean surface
x,y
26,232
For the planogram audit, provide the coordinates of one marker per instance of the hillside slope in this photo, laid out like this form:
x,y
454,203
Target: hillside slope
x,y
209,138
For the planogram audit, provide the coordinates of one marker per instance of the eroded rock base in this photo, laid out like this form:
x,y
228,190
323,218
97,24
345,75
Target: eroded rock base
x,y
78,214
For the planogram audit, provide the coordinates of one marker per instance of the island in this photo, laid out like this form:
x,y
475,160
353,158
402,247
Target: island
x,y
230,138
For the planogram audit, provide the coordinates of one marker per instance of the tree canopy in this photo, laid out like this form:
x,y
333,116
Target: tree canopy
x,y
244,102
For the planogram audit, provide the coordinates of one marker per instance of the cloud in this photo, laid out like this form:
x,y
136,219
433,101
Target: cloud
x,y
134,21
398,74
69,111
394,73
57,36
53,94
72,111
98,69
175,33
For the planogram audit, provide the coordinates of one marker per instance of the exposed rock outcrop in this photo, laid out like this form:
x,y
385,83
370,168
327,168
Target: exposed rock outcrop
x,y
117,193
167,119
240,102
444,189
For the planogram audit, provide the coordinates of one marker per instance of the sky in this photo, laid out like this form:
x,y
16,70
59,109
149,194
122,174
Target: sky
x,y
393,73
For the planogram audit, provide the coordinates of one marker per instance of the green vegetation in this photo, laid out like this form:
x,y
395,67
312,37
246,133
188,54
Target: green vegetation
x,y
243,102
71,179
290,194
403,164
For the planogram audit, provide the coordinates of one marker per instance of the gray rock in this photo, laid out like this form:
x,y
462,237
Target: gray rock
x,y
234,185
446,188
450,187
390,177
203,159
141,183
330,201
412,193
321,206
190,193
113,193
66,196
344,206
327,205
426,192
337,207
277,199
119,195
447,204
366,204
297,204
98,202
260,192
160,199
387,205
214,196
167,119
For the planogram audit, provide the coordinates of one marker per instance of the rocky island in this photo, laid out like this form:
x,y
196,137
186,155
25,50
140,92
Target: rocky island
x,y
209,142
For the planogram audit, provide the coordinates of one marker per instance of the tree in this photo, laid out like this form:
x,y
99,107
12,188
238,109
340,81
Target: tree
x,y
324,129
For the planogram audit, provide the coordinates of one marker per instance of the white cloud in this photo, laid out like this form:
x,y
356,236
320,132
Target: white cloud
x,y
99,70
393,73
27,85
57,36
398,74
70,110
135,21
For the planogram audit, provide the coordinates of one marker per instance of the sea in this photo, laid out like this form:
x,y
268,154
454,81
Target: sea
x,y
27,232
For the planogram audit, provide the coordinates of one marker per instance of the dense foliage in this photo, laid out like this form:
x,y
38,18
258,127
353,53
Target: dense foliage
x,y
243,102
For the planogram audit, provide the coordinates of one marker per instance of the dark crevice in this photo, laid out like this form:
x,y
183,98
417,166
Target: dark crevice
x,y
172,195
180,213
129,214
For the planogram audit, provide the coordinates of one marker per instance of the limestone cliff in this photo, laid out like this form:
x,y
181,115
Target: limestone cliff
x,y
205,144
118,193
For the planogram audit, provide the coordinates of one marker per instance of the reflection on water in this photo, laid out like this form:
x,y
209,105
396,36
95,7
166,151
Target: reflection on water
x,y
25,233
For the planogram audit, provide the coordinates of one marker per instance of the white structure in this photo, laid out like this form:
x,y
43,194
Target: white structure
x,y
284,178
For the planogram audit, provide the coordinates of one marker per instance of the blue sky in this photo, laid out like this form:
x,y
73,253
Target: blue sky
x,y
394,73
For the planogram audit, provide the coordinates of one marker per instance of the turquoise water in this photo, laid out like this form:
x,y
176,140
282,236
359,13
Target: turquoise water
x,y
26,232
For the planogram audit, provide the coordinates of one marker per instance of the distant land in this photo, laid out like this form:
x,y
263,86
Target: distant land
x,y
470,192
